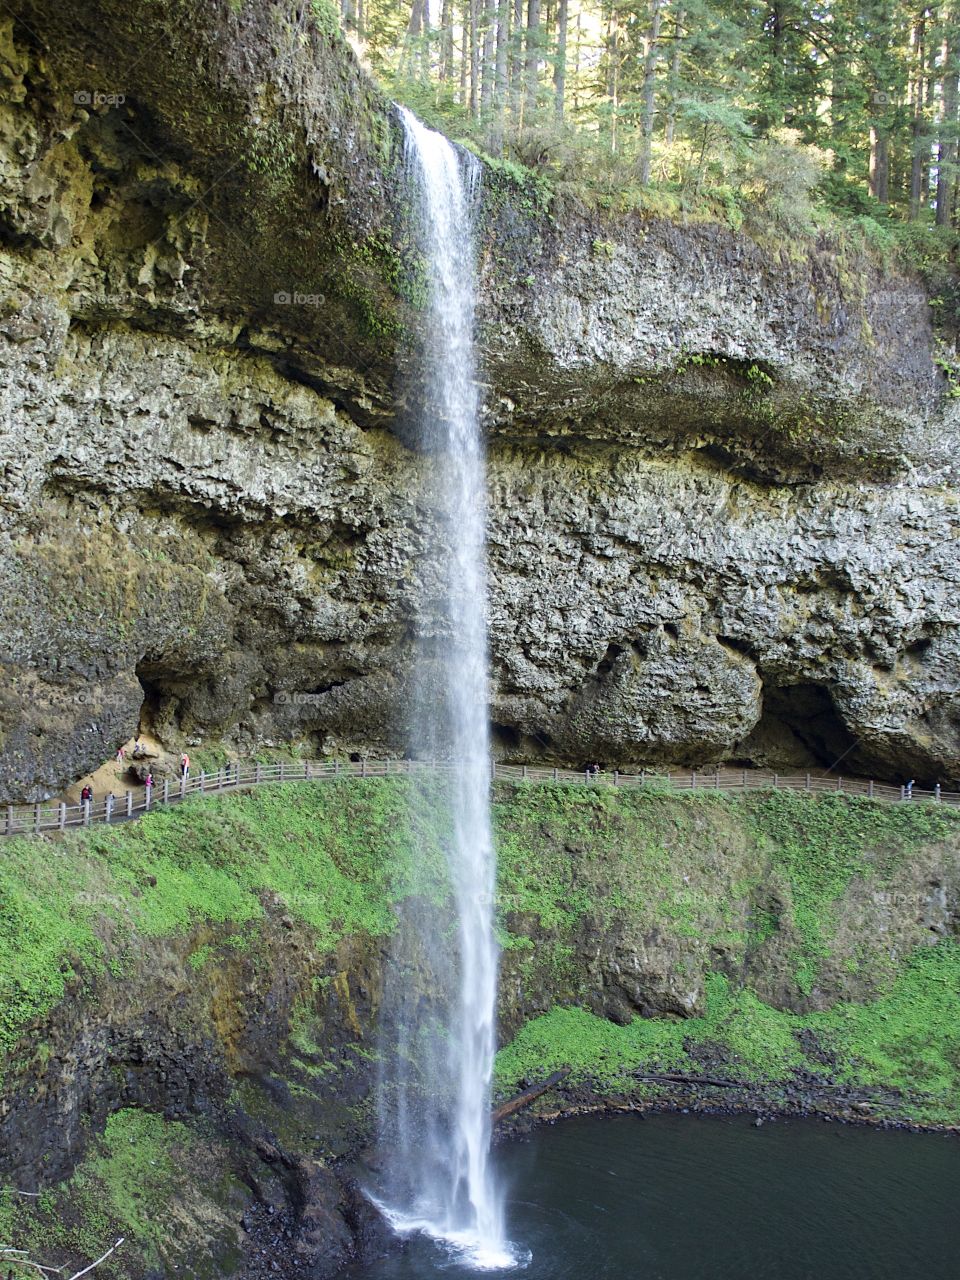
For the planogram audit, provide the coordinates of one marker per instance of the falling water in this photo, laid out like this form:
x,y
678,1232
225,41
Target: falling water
x,y
435,1101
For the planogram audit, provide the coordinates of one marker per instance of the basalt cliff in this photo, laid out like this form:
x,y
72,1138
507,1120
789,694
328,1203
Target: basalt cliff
x,y
723,471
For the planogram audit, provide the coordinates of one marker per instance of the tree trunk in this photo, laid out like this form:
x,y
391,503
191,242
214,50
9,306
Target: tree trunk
x,y
516,60
917,127
879,163
446,40
474,58
533,54
649,91
560,65
503,44
947,144
613,71
410,52
489,63
674,75
464,51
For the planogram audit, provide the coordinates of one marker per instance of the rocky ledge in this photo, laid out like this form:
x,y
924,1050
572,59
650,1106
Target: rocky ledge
x,y
723,484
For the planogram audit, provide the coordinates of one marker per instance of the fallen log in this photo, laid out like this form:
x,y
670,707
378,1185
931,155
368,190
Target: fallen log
x,y
676,1079
521,1100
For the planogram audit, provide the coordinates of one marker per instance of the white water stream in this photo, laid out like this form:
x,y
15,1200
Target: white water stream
x,y
438,1097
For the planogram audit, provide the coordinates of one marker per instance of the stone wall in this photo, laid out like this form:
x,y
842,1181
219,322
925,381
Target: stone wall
x,y
723,508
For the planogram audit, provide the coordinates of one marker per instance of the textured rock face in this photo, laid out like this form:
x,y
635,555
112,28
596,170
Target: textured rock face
x,y
723,511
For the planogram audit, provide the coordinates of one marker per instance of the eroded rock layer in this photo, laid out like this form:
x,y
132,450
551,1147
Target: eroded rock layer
x,y
723,490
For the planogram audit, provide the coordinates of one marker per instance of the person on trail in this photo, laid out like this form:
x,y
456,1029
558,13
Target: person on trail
x,y
184,766
121,755
908,790
86,795
148,781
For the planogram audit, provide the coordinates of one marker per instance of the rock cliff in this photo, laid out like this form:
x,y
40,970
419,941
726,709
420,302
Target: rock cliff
x,y
723,479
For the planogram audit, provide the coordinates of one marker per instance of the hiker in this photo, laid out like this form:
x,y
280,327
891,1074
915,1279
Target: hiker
x,y
121,755
908,790
86,795
148,781
184,766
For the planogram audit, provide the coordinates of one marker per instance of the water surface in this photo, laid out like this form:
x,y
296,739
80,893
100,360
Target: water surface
x,y
707,1198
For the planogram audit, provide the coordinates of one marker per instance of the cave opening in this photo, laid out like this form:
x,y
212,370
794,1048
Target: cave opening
x,y
800,727
162,701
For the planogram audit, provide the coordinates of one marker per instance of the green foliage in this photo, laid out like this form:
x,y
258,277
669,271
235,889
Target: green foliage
x,y
709,873
821,846
136,1171
908,1039
337,855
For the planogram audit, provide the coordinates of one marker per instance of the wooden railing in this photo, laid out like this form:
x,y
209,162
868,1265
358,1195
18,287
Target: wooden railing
x,y
28,819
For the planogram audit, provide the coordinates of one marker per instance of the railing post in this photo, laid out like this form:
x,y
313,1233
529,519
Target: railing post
x,y
363,767
129,804
306,770
62,819
9,819
220,778
86,813
166,791
718,777
936,793
776,781
555,773
203,778
808,782
257,771
744,780
870,789
36,818
523,774
903,792
839,784
616,777
693,780
108,808
148,796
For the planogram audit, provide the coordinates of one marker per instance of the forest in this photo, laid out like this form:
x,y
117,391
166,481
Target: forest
x,y
794,113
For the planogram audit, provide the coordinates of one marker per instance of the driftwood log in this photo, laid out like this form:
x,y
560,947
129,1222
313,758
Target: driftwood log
x,y
521,1100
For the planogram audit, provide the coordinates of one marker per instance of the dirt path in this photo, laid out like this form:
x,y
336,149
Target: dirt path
x,y
111,776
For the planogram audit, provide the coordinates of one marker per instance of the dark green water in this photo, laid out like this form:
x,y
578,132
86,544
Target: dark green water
x,y
689,1198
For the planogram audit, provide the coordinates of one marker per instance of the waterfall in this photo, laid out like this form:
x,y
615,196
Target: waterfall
x,y
435,1094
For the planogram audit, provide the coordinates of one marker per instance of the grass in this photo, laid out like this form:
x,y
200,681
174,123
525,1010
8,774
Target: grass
x,y
141,1176
336,855
909,1039
761,880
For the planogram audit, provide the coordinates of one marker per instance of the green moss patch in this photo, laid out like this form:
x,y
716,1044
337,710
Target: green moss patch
x,y
908,1040
160,1185
337,855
